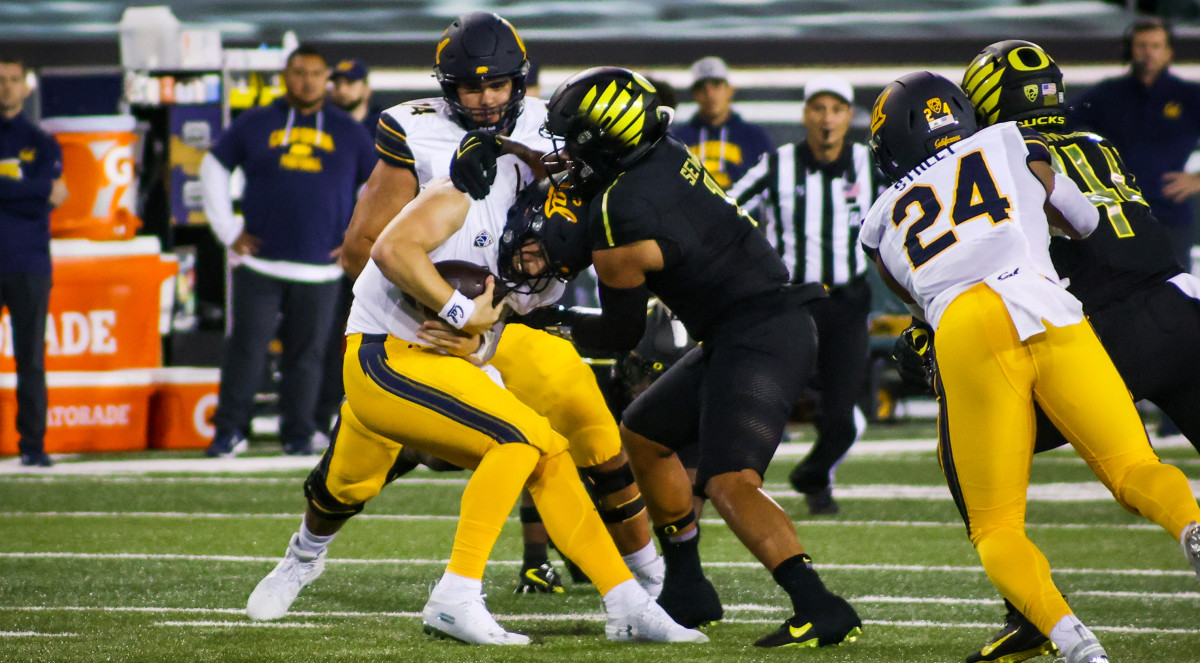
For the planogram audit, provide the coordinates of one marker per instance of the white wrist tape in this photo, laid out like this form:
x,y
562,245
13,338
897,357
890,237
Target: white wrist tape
x,y
457,310
1073,205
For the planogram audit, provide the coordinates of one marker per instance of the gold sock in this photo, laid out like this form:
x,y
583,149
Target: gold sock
x,y
486,503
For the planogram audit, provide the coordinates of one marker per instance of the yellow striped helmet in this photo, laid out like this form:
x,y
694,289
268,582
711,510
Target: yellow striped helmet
x,y
607,118
1016,80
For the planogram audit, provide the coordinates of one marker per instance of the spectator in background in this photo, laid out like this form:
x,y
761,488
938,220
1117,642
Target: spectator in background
x,y
810,199
304,160
1153,119
351,92
726,144
30,186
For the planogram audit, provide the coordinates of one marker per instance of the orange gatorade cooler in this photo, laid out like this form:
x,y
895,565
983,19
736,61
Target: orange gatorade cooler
x,y
182,406
99,174
88,411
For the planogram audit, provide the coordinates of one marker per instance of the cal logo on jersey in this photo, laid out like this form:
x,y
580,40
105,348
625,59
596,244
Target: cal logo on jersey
x,y
27,154
484,238
1172,110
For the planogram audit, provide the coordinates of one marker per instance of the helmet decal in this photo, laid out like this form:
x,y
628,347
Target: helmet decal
x,y
877,115
556,203
615,111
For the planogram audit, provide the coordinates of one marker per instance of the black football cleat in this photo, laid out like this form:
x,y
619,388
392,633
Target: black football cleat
x,y
541,579
833,624
821,502
1019,640
693,603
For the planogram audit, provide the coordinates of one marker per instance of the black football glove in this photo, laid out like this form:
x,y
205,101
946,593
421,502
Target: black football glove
x,y
914,357
473,166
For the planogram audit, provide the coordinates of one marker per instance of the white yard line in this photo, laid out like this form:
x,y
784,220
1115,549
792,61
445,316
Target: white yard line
x,y
593,616
35,634
711,522
442,562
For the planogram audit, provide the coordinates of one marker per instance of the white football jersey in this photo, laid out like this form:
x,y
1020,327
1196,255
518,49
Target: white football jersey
x,y
433,136
973,214
379,306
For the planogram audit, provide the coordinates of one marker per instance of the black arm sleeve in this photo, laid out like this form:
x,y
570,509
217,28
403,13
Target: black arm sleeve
x,y
621,324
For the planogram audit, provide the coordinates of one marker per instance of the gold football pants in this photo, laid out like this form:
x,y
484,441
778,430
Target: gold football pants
x,y
990,379
398,393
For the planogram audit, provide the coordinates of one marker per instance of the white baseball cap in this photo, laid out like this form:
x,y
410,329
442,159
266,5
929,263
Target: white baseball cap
x,y
829,84
709,68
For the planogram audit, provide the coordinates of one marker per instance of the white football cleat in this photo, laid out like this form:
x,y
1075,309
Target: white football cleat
x,y
651,575
649,623
467,620
275,593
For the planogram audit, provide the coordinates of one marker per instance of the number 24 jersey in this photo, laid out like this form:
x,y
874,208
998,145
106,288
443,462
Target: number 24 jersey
x,y
973,213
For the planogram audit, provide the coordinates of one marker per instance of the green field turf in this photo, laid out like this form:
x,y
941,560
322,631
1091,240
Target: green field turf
x,y
157,567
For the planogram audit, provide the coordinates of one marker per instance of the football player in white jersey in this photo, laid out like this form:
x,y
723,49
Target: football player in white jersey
x,y
475,399
962,236
481,65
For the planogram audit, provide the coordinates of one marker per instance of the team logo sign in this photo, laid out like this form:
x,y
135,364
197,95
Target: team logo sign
x,y
557,203
1031,92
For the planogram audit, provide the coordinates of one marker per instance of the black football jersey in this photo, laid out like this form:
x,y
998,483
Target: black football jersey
x,y
714,256
1129,248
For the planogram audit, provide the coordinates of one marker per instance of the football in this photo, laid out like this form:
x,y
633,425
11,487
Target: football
x,y
470,279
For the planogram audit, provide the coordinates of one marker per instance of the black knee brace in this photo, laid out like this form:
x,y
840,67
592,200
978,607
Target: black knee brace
x,y
600,484
321,500
530,515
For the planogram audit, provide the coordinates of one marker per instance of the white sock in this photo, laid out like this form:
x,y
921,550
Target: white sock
x,y
453,586
625,598
312,544
641,557
1069,632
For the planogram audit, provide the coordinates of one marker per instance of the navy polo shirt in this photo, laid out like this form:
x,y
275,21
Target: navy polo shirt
x,y
30,161
1155,129
302,175
727,151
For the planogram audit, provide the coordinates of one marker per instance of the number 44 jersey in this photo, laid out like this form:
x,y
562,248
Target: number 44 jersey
x,y
973,213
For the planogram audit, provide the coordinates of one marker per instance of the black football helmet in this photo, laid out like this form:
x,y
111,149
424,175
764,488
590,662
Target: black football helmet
x,y
606,119
1015,80
915,116
479,47
556,219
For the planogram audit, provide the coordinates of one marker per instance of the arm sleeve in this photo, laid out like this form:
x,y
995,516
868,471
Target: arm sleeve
x,y
30,189
391,142
1073,205
33,189
619,326
218,205
1039,149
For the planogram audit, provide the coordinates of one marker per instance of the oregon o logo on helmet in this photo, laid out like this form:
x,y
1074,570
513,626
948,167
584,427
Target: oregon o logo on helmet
x,y
1016,61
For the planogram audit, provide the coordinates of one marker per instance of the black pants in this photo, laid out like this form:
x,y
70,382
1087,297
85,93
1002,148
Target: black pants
x,y
731,395
332,389
302,313
1153,338
27,298
843,357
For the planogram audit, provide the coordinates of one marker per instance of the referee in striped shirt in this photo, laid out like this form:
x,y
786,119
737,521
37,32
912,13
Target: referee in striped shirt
x,y
811,198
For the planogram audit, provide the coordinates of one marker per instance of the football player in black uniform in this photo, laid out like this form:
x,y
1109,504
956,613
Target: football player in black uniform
x,y
660,224
1141,304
